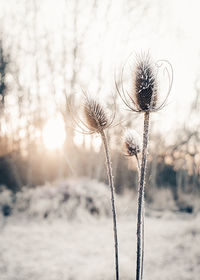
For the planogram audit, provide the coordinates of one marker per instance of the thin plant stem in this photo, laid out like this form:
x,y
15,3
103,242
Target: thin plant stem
x,y
142,257
140,213
143,214
138,164
111,184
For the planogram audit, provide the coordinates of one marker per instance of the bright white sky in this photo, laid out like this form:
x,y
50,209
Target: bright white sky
x,y
168,29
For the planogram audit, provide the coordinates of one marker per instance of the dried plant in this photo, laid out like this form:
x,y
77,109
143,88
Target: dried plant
x,y
144,99
95,120
132,144
95,116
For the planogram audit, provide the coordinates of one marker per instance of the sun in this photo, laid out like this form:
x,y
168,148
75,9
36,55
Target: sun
x,y
53,133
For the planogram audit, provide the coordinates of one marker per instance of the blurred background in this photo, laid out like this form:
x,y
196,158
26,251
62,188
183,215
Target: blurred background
x,y
50,51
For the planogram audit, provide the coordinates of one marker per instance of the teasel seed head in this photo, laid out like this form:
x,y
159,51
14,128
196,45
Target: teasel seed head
x,y
132,143
144,94
145,85
95,115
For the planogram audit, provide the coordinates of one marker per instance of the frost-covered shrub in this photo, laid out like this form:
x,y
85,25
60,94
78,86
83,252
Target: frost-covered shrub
x,y
67,199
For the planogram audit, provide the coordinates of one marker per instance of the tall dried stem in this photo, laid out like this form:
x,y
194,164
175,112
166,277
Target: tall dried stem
x,y
143,214
96,120
111,184
140,213
145,100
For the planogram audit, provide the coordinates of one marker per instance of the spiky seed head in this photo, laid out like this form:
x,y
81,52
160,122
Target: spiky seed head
x,y
132,143
145,84
95,115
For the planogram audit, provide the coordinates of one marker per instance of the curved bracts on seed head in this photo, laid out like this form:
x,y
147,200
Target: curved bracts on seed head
x,y
144,95
94,116
132,143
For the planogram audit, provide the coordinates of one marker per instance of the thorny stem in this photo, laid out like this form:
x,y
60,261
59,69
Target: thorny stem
x,y
142,257
143,214
140,213
111,184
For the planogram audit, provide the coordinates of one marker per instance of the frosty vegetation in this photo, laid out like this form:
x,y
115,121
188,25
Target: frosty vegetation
x,y
68,199
55,214
48,235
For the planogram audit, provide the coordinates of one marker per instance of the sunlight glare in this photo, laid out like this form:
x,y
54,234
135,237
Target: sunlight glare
x,y
54,133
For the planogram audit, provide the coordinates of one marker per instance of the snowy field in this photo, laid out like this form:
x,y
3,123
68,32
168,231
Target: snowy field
x,y
59,248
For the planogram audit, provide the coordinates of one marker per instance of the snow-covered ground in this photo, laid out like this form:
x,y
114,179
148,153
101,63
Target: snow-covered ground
x,y
64,232
74,250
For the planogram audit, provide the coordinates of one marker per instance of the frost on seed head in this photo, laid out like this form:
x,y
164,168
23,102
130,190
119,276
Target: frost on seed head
x,y
145,84
132,143
95,115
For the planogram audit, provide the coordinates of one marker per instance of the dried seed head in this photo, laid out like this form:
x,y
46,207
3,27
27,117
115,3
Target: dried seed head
x,y
145,84
132,143
95,115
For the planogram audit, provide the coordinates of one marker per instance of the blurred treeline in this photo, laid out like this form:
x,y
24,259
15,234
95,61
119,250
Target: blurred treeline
x,y
43,61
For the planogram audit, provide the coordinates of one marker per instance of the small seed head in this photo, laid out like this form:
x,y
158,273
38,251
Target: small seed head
x,y
132,143
145,84
95,115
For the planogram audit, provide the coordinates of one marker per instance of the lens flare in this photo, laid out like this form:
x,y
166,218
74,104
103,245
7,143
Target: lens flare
x,y
53,133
